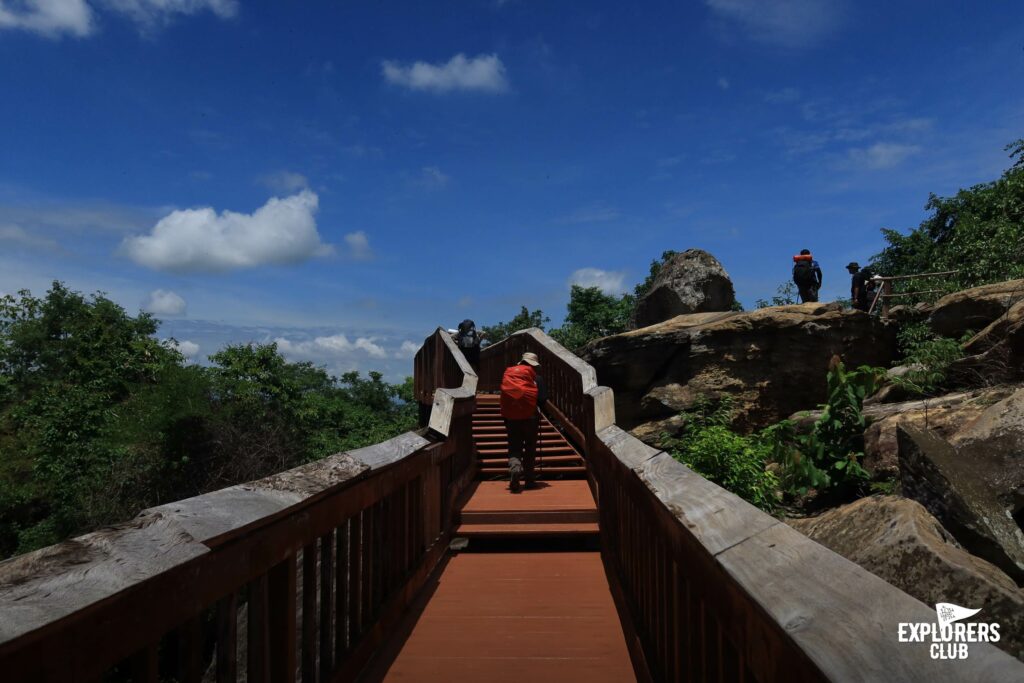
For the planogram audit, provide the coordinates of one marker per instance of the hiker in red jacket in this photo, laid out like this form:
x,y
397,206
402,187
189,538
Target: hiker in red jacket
x,y
522,393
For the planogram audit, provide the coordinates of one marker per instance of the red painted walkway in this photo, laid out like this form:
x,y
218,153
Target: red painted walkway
x,y
518,617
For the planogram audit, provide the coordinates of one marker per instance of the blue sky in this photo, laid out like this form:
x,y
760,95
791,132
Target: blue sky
x,y
344,176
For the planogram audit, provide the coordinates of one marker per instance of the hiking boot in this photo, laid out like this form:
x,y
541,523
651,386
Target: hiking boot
x,y
531,484
515,473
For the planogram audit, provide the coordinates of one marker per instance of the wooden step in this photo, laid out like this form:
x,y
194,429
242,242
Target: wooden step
x,y
577,529
528,516
547,461
498,472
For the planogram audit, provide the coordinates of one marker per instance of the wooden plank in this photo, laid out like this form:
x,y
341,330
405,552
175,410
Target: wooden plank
x,y
145,665
631,451
389,452
227,639
717,518
190,650
258,648
341,609
326,605
839,605
309,615
282,588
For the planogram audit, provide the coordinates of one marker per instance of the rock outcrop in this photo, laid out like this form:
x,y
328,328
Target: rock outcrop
x,y
975,308
995,442
954,488
944,415
996,353
690,282
771,361
899,541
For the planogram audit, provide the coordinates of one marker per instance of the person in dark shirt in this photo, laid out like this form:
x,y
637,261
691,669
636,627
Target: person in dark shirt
x,y
806,276
858,286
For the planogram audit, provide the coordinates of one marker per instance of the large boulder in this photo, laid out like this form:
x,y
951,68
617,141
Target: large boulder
x,y
899,541
771,361
954,489
996,353
944,415
690,282
995,443
975,308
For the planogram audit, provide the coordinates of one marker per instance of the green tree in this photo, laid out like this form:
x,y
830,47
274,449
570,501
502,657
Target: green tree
x,y
656,265
593,314
979,231
785,294
523,320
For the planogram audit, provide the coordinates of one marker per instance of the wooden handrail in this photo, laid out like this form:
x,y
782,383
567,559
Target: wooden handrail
x,y
717,589
359,530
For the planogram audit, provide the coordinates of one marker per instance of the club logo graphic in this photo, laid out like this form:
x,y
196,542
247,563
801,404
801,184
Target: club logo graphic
x,y
949,636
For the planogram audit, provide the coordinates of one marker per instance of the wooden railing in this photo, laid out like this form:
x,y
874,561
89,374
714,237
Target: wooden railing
x,y
713,588
345,542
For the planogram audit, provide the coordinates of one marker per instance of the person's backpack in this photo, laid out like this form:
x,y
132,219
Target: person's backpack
x,y
467,337
518,393
803,273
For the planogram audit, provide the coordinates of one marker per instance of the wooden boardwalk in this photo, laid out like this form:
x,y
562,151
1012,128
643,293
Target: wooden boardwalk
x,y
523,616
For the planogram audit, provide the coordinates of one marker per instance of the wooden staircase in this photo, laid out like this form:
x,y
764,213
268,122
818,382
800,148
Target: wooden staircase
x,y
556,457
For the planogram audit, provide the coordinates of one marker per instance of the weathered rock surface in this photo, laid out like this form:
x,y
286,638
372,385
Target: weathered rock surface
x,y
771,361
944,415
954,489
899,541
975,308
995,443
690,282
996,353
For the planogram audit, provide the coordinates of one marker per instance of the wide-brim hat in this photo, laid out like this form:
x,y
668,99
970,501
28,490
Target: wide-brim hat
x,y
853,264
530,358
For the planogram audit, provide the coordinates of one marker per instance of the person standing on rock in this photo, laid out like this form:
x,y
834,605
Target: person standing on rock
x,y
858,286
522,394
806,276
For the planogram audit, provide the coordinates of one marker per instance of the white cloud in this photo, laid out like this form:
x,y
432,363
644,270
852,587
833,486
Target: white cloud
x,y
609,282
788,23
359,246
285,181
329,347
282,231
54,18
723,83
152,13
784,96
163,302
881,155
407,350
184,347
17,235
432,178
50,18
483,73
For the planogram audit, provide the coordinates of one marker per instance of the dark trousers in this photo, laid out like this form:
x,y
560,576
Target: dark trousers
x,y
809,293
522,446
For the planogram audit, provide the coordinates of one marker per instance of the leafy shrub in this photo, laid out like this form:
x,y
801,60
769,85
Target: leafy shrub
x,y
785,294
928,356
828,457
736,462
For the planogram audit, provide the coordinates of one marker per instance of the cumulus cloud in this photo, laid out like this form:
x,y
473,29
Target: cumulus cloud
x,y
50,18
329,347
609,282
787,23
285,181
282,231
881,155
359,246
184,347
407,350
483,73
164,302
17,235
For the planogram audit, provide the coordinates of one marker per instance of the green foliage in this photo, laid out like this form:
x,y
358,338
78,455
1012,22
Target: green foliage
x,y
99,419
523,320
738,463
592,314
929,357
828,457
785,294
979,231
656,266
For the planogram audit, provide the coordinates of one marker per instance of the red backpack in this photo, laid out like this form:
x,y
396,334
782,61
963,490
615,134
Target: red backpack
x,y
518,393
